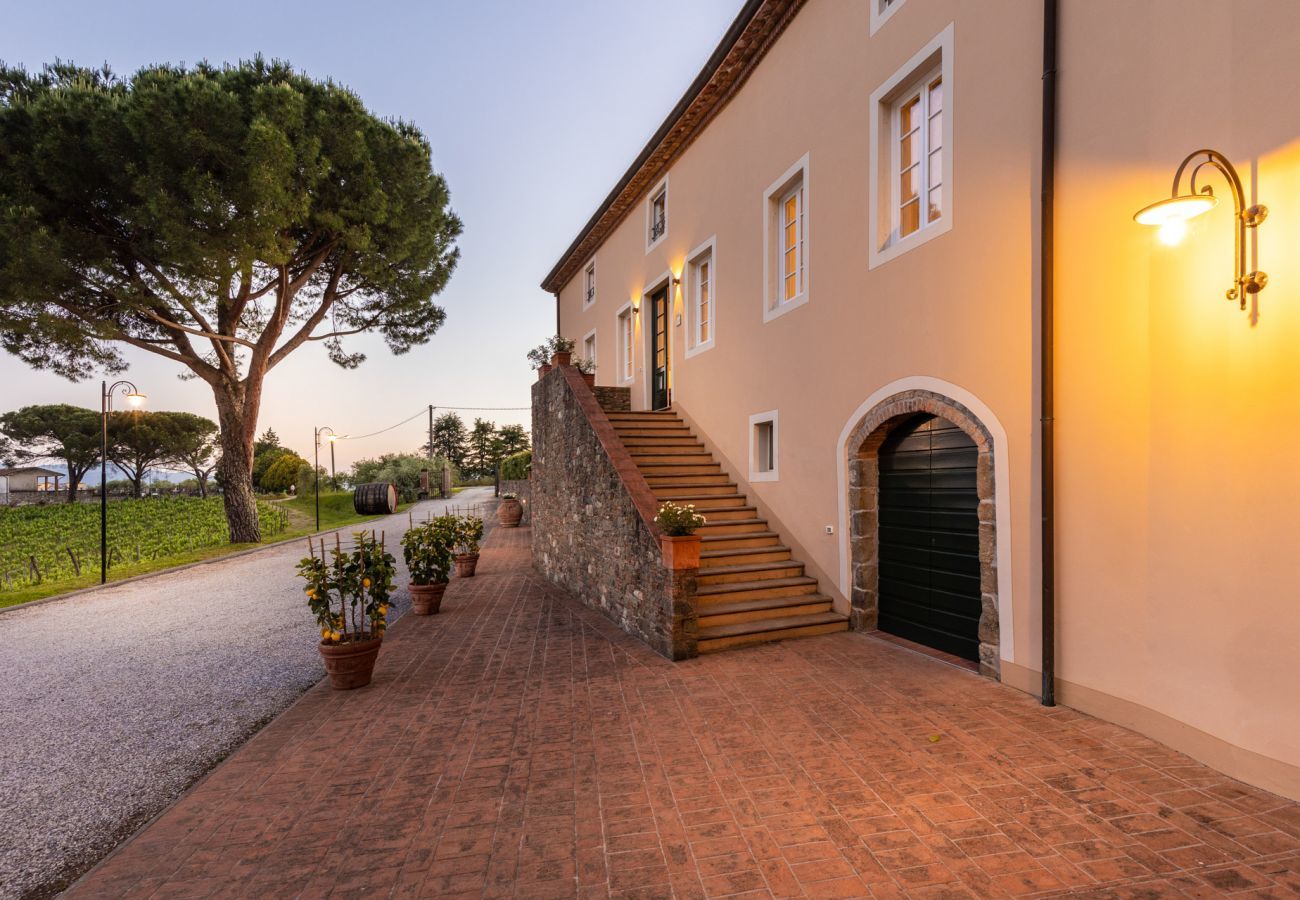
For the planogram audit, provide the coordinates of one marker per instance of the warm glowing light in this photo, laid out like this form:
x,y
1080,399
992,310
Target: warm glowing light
x,y
1172,232
135,399
333,437
1175,209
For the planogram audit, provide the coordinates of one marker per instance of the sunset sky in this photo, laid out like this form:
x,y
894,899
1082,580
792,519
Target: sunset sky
x,y
533,110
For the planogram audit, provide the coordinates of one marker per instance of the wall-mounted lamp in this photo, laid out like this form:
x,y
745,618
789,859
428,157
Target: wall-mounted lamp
x,y
1171,217
677,278
636,309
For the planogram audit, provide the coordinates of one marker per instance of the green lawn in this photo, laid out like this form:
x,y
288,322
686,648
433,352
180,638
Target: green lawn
x,y
45,530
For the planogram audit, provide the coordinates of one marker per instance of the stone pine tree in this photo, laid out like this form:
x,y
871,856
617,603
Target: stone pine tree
x,y
195,448
69,433
221,217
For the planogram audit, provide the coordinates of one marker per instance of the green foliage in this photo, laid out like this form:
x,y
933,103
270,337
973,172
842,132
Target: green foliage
x,y
283,473
427,549
70,433
481,459
512,439
155,528
677,520
541,354
359,582
195,448
268,440
402,469
517,466
263,462
305,480
469,531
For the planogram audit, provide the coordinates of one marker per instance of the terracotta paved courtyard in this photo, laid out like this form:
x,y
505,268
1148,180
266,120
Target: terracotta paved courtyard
x,y
520,745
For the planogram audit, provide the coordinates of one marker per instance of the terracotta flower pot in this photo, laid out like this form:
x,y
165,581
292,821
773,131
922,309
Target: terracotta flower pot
x,y
510,512
680,551
426,599
465,564
562,359
542,370
590,378
350,665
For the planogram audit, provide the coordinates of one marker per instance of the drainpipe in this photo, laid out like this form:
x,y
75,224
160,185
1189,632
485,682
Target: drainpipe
x,y
1046,370
557,313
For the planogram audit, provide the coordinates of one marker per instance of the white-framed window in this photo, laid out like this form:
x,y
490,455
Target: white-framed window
x,y
786,242
656,215
763,447
626,334
589,345
701,297
912,153
881,10
589,284
917,161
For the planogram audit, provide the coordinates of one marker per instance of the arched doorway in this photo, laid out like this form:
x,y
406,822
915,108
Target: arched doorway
x,y
873,449
929,583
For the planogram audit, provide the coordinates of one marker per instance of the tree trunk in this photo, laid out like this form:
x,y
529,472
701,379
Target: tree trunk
x,y
203,485
73,483
238,419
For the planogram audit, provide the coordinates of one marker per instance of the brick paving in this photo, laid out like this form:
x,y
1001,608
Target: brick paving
x,y
519,745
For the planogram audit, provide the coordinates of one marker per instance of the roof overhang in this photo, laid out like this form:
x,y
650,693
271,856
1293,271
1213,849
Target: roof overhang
x,y
748,39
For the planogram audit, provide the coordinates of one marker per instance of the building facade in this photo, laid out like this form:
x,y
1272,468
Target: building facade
x,y
830,261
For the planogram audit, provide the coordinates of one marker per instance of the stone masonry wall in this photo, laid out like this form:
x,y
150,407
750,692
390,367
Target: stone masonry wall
x,y
613,399
592,520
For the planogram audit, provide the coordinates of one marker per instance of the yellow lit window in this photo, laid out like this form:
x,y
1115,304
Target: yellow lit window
x,y
792,231
918,138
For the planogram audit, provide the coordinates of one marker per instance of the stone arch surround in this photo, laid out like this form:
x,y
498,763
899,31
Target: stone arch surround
x,y
863,447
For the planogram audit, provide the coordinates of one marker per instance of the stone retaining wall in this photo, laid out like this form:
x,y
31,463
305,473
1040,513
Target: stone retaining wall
x,y
593,520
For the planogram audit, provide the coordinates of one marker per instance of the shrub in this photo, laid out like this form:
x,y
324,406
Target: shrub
x,y
283,473
469,531
517,467
402,469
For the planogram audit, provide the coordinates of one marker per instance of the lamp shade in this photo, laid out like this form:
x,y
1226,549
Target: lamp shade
x,y
135,399
1175,209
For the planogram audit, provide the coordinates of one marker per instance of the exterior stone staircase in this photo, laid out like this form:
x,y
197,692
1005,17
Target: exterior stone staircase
x,y
750,589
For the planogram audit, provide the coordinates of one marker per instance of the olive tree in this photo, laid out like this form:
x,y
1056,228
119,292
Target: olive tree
x,y
221,217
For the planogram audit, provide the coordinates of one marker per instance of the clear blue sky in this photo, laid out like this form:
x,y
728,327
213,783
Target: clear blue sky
x,y
533,109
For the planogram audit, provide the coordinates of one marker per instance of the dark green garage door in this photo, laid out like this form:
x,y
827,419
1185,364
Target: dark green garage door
x,y
929,536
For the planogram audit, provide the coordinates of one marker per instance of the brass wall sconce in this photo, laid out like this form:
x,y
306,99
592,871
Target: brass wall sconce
x,y
1171,216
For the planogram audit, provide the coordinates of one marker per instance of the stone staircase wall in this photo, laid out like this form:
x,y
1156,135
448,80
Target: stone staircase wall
x,y
593,528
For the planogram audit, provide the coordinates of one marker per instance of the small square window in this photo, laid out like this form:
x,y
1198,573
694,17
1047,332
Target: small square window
x,y
763,446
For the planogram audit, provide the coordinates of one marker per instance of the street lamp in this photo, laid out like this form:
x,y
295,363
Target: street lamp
x,y
316,464
135,400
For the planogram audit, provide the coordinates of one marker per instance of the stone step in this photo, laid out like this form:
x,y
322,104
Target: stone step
x,y
635,442
643,414
670,455
724,637
715,614
724,513
738,541
741,555
688,480
753,590
665,491
704,502
732,526
760,571
678,468
651,429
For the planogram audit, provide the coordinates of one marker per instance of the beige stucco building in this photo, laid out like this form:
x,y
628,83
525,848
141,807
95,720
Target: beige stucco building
x,y
834,245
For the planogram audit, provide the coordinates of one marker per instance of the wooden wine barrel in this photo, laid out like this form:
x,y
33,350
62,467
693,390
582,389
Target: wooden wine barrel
x,y
375,498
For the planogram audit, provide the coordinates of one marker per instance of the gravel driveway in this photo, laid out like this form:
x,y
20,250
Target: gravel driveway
x,y
115,701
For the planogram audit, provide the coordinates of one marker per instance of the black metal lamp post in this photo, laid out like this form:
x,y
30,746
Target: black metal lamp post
x,y
316,464
135,399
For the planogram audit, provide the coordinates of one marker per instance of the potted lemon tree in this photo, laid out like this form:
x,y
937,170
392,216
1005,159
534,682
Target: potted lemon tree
x,y
348,593
469,532
427,549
